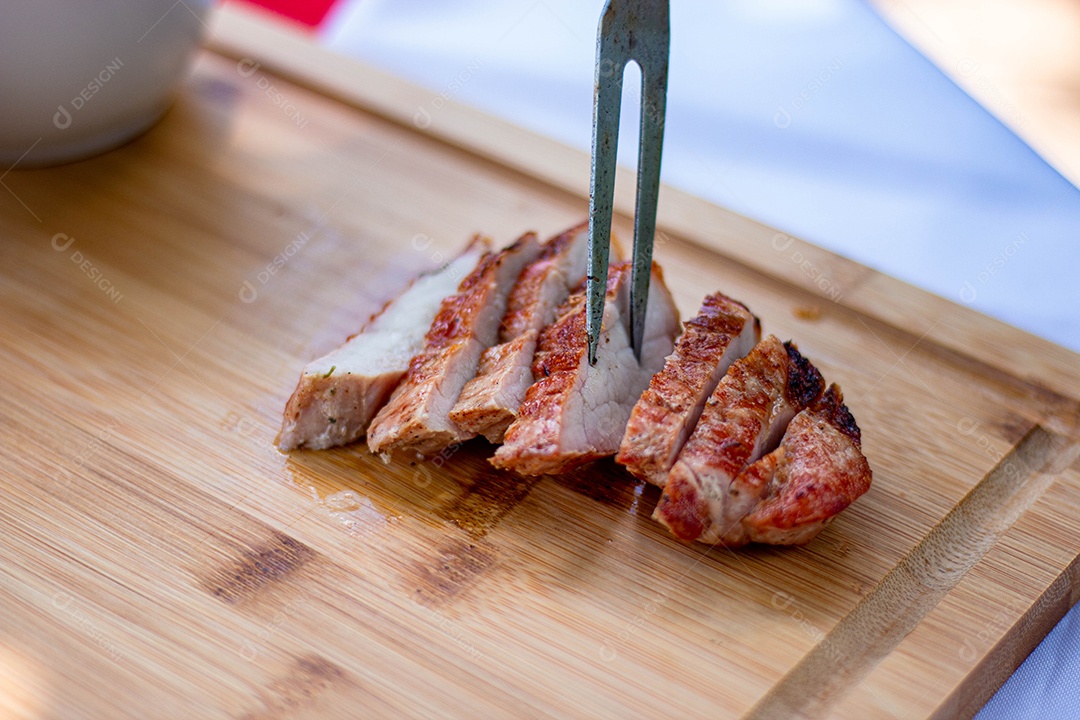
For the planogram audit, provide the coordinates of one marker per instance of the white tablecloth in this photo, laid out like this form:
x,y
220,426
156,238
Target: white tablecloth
x,y
812,116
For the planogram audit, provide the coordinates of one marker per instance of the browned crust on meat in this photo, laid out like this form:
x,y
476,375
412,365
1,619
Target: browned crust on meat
x,y
486,414
531,443
457,314
477,241
404,412
658,418
720,314
795,491
724,439
831,407
325,411
804,383
521,305
402,422
681,508
816,473
560,242
562,343
490,401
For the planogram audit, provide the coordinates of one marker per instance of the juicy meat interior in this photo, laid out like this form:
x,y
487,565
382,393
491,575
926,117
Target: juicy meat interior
x,y
666,413
490,401
743,419
339,393
576,412
417,417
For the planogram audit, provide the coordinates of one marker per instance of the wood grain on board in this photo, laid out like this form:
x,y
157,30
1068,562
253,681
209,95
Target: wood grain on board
x,y
163,559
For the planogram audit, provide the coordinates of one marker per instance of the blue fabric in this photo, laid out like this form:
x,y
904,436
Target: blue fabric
x,y
1047,684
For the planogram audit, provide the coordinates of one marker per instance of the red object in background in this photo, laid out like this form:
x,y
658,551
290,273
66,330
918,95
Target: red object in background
x,y
305,12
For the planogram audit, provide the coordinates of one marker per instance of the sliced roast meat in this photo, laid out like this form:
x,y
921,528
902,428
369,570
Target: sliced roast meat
x,y
490,401
666,413
576,412
339,393
744,418
792,493
417,417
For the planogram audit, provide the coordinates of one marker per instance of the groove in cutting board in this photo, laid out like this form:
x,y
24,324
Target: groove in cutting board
x,y
917,583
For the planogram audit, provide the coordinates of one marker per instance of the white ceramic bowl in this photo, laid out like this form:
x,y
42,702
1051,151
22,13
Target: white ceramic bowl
x,y
78,77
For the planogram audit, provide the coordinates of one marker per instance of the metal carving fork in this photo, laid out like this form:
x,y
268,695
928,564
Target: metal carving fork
x,y
635,30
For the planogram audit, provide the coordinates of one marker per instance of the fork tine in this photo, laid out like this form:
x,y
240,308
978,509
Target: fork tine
x,y
606,107
653,60
629,30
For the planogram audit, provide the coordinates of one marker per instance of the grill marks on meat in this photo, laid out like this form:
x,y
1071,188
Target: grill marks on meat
x,y
490,401
665,415
575,412
339,393
417,417
744,418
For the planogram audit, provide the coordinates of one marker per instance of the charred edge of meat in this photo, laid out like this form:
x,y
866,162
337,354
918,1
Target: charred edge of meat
x,y
805,383
531,282
832,403
713,298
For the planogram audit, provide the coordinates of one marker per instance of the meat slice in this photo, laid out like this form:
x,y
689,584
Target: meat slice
x,y
743,419
576,412
417,417
490,401
792,493
339,393
666,413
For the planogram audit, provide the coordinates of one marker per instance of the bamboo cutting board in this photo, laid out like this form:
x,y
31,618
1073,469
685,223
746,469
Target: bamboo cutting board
x,y
162,559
